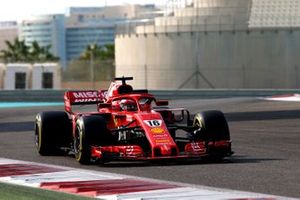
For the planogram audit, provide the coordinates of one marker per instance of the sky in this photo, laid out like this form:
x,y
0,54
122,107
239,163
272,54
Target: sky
x,y
16,10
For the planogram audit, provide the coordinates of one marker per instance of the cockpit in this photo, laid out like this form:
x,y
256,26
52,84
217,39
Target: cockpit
x,y
133,104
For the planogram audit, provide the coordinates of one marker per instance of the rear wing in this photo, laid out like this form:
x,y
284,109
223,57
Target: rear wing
x,y
82,98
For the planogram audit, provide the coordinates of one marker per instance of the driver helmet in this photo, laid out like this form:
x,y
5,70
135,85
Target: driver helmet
x,y
115,105
127,104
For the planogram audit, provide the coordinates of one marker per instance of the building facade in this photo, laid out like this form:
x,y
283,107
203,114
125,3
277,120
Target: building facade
x,y
46,30
78,37
8,32
96,25
70,34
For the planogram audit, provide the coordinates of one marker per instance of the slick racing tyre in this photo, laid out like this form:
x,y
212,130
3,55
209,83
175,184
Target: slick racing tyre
x,y
90,130
213,126
52,131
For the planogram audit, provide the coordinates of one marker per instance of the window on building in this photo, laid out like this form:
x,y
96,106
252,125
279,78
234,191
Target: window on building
x,y
20,80
47,80
80,18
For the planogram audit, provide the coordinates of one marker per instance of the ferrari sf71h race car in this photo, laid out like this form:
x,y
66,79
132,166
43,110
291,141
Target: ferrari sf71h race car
x,y
130,124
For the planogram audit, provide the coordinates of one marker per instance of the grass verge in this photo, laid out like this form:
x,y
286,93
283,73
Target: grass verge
x,y
16,192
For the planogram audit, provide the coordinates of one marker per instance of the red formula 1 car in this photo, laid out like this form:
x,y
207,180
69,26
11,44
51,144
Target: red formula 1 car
x,y
130,124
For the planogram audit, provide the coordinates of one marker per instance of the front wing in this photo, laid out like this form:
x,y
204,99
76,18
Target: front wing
x,y
135,152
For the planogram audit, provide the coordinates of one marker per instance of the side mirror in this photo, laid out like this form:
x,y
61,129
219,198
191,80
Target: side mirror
x,y
162,102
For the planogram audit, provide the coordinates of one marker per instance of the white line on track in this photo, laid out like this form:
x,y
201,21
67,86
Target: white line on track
x,y
288,97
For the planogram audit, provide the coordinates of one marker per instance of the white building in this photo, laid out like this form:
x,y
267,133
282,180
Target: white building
x,y
27,76
17,76
46,76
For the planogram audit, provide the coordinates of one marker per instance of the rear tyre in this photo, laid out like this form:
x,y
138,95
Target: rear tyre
x,y
52,131
90,130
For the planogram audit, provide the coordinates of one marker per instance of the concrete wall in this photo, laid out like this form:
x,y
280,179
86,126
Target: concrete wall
x,y
209,44
220,59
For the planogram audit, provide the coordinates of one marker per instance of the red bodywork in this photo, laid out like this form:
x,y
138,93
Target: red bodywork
x,y
151,122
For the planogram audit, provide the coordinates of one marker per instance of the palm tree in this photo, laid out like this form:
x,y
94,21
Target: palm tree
x,y
98,52
109,51
22,49
91,49
48,55
38,53
35,50
18,51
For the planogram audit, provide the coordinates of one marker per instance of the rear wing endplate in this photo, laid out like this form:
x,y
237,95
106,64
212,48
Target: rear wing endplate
x,y
82,98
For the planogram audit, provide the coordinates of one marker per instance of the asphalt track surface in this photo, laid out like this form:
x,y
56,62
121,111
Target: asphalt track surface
x,y
265,136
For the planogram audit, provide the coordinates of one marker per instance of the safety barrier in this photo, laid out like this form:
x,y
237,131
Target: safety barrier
x,y
57,95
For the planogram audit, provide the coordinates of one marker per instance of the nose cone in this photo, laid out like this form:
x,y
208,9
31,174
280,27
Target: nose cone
x,y
165,150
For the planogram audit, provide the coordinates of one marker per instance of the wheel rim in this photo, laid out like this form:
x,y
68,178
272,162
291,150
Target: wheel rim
x,y
77,141
197,124
37,136
197,127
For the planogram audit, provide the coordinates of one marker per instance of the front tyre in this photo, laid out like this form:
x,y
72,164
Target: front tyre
x,y
212,128
82,149
90,130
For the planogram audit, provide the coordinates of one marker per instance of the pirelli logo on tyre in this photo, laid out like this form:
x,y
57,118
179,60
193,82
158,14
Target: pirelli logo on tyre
x,y
157,130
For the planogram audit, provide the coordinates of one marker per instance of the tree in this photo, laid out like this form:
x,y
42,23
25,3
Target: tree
x,y
103,53
100,58
91,49
18,51
38,53
109,51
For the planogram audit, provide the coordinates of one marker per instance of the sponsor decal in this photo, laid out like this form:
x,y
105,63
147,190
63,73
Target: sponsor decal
x,y
103,94
153,123
162,141
129,150
85,100
195,146
157,130
163,135
88,94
